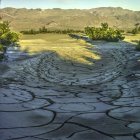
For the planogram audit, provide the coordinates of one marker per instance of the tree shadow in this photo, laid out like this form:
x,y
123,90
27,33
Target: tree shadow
x,y
98,42
91,46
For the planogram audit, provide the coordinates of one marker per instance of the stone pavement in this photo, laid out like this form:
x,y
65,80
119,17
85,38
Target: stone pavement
x,y
48,98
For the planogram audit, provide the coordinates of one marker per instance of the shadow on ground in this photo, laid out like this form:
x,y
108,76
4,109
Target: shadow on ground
x,y
52,98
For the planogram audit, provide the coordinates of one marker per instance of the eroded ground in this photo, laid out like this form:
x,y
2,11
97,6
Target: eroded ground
x,y
48,97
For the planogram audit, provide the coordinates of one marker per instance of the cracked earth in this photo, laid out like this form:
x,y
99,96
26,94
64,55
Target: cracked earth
x,y
49,98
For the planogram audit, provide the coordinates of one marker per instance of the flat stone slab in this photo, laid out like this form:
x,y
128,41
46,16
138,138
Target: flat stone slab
x,y
49,98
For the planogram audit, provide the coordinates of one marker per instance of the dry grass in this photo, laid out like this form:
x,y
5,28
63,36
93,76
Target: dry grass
x,y
63,45
132,38
23,19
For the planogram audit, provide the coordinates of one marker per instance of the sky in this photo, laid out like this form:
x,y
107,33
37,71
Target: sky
x,y
71,4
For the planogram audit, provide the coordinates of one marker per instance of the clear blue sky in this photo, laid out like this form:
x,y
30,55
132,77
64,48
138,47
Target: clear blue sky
x,y
79,4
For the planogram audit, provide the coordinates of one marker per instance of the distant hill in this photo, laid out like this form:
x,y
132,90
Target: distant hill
x,y
22,19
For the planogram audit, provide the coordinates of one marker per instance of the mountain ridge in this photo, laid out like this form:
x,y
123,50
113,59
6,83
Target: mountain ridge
x,y
56,18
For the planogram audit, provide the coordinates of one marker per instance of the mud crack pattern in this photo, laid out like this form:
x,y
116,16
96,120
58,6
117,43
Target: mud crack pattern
x,y
50,98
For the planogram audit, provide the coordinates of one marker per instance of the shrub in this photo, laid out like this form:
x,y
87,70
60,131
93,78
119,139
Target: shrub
x,y
1,48
138,46
7,37
136,30
104,33
4,27
45,30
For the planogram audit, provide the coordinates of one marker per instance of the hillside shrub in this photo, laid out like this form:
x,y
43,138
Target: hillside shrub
x,y
45,30
104,33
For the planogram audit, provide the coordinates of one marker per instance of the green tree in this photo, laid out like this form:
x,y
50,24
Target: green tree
x,y
7,36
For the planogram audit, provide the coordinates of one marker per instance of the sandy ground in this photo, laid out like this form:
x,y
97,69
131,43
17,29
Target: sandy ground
x,y
49,98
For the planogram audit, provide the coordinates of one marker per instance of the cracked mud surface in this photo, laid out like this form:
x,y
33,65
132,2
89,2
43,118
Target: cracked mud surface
x,y
49,98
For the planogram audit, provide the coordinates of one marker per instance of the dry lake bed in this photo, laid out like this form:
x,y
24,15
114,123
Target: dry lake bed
x,y
70,89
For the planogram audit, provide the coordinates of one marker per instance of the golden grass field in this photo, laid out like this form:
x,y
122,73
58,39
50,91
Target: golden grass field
x,y
132,38
63,45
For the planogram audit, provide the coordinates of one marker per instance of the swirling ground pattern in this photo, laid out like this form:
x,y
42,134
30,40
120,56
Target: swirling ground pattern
x,y
47,98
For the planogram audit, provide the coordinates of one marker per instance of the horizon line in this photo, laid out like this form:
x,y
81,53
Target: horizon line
x,y
69,8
